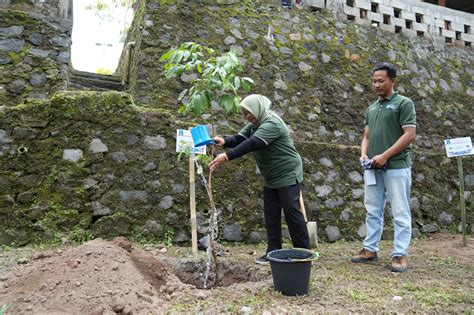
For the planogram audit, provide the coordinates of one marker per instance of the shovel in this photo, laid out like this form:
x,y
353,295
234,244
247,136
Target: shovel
x,y
312,226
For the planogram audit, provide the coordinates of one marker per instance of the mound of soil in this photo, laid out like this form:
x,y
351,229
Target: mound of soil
x,y
98,277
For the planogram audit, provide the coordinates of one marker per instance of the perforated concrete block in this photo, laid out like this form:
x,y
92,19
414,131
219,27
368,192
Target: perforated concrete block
x,y
399,4
418,10
351,10
398,22
458,27
420,27
428,20
385,9
375,17
315,3
363,4
448,34
408,16
467,37
439,23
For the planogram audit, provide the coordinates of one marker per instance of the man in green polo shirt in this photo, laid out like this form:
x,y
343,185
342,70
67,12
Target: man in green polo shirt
x,y
268,137
390,127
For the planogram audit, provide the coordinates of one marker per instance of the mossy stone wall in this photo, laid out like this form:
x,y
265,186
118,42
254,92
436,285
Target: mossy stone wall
x,y
34,56
83,164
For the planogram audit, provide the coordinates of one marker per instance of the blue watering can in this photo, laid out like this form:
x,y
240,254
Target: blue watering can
x,y
200,136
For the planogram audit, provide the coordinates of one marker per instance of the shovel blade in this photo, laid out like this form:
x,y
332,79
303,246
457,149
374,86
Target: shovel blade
x,y
312,227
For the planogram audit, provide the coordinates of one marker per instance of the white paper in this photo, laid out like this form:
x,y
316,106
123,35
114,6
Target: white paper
x,y
369,177
184,141
458,146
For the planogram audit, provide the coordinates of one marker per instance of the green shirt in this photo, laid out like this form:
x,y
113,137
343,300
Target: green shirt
x,y
279,162
385,120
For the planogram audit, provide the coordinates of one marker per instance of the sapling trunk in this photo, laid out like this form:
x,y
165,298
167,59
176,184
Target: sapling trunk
x,y
212,221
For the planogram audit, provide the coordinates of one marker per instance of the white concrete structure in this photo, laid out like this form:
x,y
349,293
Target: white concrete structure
x,y
412,18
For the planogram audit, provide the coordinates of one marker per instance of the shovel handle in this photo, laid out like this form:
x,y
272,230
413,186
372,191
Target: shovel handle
x,y
302,208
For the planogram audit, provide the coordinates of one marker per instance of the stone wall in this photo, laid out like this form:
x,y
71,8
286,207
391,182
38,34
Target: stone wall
x,y
314,68
57,9
84,164
317,72
90,164
34,56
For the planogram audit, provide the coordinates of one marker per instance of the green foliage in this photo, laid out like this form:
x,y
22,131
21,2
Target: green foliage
x,y
101,5
140,238
104,71
4,308
186,151
169,235
104,10
204,158
217,77
81,235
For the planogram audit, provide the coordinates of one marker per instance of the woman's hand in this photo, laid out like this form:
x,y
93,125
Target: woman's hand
x,y
219,141
220,159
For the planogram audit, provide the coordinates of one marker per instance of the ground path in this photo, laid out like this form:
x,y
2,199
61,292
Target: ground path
x,y
110,277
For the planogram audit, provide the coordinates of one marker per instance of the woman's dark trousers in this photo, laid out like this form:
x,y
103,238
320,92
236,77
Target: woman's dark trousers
x,y
287,198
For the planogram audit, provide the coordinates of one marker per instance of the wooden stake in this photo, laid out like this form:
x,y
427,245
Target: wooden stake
x,y
461,197
192,204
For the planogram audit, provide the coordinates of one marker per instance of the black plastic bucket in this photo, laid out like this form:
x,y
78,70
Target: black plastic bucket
x,y
291,270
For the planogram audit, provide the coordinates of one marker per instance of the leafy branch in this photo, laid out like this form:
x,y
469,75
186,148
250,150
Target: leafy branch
x,y
216,79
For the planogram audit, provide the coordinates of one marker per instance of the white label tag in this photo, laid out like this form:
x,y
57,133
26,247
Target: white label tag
x,y
369,176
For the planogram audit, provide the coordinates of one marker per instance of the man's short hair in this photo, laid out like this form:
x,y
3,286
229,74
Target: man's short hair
x,y
391,70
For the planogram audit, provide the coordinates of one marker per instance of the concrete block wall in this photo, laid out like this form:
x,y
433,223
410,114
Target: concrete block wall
x,y
411,18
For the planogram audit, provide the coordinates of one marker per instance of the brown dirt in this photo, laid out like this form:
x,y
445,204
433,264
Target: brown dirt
x,y
448,245
102,277
98,277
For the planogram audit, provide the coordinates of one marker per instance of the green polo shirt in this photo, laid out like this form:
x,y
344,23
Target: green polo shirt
x,y
279,162
385,120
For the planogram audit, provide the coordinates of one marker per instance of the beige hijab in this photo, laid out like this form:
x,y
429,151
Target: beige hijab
x,y
258,105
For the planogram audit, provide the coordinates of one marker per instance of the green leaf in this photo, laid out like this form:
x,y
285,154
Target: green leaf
x,y
182,109
245,86
208,95
227,102
172,58
203,158
167,55
179,56
186,45
237,104
218,77
187,54
248,80
233,55
237,83
182,94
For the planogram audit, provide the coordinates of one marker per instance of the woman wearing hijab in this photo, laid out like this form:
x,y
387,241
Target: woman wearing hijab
x,y
268,137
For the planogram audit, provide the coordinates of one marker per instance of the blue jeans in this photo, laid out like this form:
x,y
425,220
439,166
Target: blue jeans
x,y
286,3
393,186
